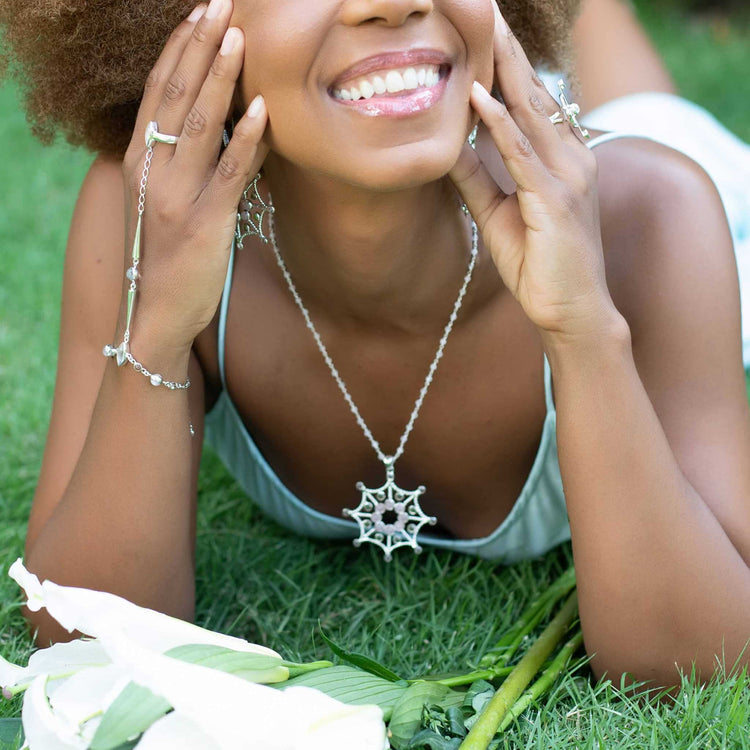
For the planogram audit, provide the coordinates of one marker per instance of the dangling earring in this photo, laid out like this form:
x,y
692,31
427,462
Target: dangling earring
x,y
472,141
251,213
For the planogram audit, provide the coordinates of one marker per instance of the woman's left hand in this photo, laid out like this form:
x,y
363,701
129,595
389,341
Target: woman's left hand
x,y
545,238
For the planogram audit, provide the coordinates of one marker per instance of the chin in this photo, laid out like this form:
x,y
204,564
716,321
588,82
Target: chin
x,y
398,168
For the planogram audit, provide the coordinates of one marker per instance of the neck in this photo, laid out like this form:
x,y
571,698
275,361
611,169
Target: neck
x,y
394,258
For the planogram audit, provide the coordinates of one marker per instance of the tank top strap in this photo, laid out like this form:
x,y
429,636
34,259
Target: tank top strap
x,y
223,316
549,397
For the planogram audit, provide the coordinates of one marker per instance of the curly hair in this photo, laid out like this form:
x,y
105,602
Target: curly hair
x,y
81,65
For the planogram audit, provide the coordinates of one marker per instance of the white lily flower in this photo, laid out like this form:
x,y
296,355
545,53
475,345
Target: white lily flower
x,y
241,715
97,612
71,685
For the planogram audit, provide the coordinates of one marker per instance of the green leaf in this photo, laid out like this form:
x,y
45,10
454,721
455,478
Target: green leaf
x,y
429,740
353,686
131,714
406,719
361,661
11,734
248,666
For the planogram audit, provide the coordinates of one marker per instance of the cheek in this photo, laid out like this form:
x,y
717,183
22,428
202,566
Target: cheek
x,y
475,21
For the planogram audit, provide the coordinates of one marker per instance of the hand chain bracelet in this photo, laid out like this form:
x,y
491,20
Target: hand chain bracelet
x,y
122,352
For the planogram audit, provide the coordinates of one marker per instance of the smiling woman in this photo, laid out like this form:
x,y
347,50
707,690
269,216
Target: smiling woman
x,y
395,329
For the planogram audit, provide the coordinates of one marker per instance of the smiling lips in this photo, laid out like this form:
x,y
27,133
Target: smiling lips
x,y
380,86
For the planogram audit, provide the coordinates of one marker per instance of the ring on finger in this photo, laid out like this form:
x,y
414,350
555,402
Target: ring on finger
x,y
558,118
570,112
154,136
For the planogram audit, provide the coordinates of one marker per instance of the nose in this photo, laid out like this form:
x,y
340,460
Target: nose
x,y
383,12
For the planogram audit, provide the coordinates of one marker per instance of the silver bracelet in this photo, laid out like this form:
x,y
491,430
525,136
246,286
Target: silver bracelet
x,y
122,352
154,377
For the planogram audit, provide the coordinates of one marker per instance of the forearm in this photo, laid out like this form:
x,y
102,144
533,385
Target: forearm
x,y
124,523
659,580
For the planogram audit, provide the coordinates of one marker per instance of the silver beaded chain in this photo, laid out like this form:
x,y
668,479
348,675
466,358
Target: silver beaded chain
x,y
122,352
387,460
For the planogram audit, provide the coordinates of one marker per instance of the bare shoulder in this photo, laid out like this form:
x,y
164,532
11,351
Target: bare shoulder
x,y
667,243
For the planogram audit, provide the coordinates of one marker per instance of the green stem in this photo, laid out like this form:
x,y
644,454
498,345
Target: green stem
x,y
298,669
495,711
479,674
545,682
502,652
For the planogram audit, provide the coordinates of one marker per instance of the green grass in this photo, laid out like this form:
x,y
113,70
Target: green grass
x,y
436,612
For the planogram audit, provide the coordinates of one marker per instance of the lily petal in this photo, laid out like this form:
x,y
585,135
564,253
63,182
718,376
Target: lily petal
x,y
96,612
45,730
176,732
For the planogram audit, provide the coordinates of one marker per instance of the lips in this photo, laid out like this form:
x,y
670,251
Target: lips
x,y
396,83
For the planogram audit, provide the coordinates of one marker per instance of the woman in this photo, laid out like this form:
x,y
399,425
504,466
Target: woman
x,y
614,263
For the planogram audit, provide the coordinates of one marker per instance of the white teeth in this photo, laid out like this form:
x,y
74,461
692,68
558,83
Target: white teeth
x,y
410,79
394,82
390,82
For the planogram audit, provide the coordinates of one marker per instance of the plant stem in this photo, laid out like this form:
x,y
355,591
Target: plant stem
x,y
479,674
502,652
297,669
544,683
484,730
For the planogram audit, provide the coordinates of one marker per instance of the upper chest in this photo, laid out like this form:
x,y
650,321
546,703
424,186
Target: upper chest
x,y
473,441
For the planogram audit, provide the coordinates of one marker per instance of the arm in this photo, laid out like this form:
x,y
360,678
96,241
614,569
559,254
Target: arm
x,y
653,424
654,435
115,506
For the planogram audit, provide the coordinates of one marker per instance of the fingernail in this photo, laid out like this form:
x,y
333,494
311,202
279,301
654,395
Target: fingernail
x,y
197,13
230,41
500,22
256,107
480,90
215,7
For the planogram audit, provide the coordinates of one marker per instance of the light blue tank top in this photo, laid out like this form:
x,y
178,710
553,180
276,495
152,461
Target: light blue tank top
x,y
537,521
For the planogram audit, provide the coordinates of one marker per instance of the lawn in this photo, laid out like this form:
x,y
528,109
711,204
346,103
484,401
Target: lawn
x,y
437,612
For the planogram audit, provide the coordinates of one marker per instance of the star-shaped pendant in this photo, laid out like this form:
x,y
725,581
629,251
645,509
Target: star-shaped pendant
x,y
389,516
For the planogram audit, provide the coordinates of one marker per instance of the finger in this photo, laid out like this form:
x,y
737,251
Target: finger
x,y
162,71
241,160
518,154
478,189
188,77
524,94
200,139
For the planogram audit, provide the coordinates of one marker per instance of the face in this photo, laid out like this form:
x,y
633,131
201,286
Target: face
x,y
374,93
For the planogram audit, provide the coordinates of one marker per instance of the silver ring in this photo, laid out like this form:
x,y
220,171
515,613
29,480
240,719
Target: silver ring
x,y
154,136
557,118
571,111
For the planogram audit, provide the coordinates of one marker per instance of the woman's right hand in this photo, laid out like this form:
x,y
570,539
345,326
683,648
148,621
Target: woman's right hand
x,y
193,190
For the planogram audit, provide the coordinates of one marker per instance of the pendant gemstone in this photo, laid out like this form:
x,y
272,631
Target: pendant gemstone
x,y
376,502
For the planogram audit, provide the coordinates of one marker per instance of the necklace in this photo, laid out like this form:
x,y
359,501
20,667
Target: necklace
x,y
402,507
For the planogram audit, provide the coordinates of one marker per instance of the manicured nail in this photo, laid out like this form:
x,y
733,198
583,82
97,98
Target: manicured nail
x,y
215,7
480,91
197,13
500,22
230,41
256,107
